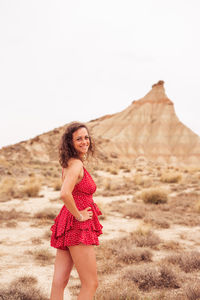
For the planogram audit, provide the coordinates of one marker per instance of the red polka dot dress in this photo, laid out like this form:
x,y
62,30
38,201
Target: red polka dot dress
x,y
66,230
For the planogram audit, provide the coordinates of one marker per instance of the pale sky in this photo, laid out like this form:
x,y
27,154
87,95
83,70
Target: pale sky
x,y
64,60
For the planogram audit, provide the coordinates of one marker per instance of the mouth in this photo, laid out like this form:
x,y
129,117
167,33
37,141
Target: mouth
x,y
84,147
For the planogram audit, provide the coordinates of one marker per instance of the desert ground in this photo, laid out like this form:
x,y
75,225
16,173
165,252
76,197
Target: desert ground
x,y
150,246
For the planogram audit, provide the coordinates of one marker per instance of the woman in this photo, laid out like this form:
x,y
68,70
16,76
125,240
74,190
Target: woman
x,y
76,228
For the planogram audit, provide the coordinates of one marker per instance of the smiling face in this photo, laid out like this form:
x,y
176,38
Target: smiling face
x,y
81,141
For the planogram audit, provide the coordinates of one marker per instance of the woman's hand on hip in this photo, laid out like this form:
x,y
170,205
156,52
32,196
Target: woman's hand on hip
x,y
86,213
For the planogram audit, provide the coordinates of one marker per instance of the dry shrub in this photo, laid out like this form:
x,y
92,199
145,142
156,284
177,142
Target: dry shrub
x,y
131,255
170,177
57,185
187,261
48,213
8,189
171,245
12,215
11,224
107,184
131,211
184,208
47,235
105,258
192,291
31,188
36,241
112,171
117,290
26,280
157,221
145,237
154,195
109,187
125,252
142,180
152,276
127,170
41,256
114,254
22,288
137,214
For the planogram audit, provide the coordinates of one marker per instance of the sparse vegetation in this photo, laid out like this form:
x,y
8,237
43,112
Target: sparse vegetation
x,y
127,170
112,171
130,262
57,185
22,288
192,291
130,210
47,234
144,181
42,256
154,196
31,188
13,215
47,213
157,221
120,252
171,245
36,241
8,189
187,261
11,224
133,212
125,291
145,237
171,177
152,276
132,255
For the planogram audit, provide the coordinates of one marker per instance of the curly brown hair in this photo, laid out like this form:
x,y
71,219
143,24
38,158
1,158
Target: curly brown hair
x,y
66,147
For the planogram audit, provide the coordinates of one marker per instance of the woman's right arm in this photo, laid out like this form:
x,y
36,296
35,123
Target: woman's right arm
x,y
71,175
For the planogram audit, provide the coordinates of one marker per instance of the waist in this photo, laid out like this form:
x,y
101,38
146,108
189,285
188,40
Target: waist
x,y
83,200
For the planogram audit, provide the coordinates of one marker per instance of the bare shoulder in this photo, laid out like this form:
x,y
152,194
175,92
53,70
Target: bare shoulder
x,y
74,165
74,171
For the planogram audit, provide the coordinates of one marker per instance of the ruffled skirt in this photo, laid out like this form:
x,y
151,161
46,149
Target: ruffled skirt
x,y
67,231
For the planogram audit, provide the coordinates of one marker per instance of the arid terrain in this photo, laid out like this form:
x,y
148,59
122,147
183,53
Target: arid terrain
x,y
147,172
150,245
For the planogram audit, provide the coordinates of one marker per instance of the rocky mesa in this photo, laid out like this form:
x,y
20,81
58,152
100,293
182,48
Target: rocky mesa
x,y
148,128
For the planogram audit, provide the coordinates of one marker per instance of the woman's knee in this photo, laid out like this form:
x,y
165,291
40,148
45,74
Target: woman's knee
x,y
60,282
91,284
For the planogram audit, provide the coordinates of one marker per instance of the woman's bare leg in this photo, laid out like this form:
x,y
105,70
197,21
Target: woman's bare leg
x,y
62,269
84,258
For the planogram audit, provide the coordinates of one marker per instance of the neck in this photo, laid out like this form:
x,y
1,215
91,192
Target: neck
x,y
82,157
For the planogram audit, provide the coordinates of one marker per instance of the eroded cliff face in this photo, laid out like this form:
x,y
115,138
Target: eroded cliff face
x,y
149,127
